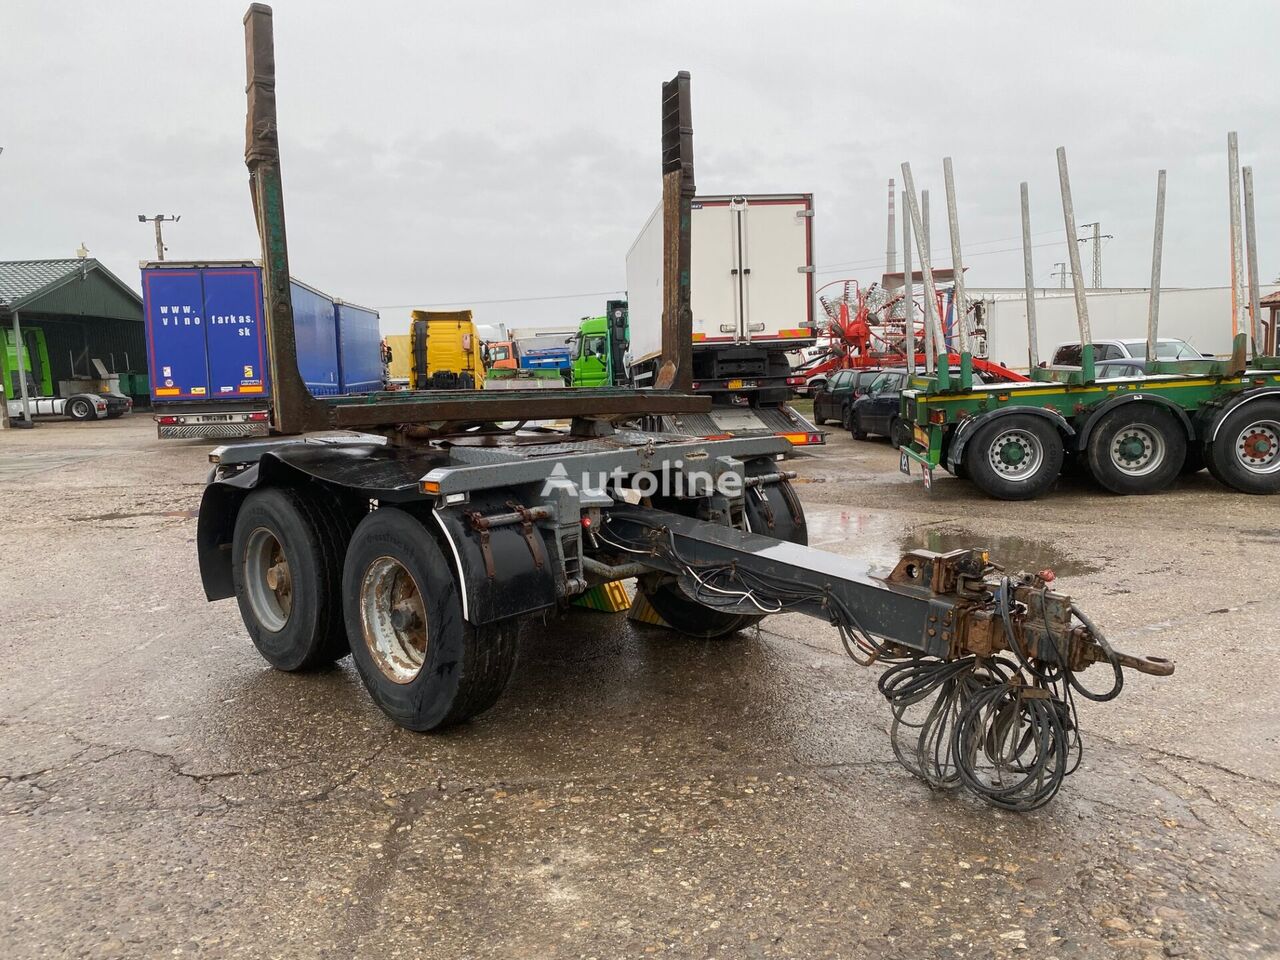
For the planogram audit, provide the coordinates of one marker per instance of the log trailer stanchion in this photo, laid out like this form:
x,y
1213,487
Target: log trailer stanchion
x,y
1135,434
420,545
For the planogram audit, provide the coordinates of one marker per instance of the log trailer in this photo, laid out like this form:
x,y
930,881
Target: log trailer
x,y
1134,434
421,544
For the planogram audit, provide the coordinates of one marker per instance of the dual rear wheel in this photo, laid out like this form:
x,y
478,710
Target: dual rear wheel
x,y
1133,449
313,586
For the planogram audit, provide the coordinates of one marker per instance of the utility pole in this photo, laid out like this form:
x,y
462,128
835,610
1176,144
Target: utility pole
x,y
1061,272
1097,237
158,219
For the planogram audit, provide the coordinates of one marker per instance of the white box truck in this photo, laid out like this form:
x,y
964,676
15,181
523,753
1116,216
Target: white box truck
x,y
752,303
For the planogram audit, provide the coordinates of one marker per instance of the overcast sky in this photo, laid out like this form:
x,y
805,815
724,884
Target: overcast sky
x,y
473,151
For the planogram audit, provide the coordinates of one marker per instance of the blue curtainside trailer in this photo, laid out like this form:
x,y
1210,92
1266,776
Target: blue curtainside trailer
x,y
359,349
208,352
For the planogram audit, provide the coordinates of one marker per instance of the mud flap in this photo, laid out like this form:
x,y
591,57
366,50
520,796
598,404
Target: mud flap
x,y
504,571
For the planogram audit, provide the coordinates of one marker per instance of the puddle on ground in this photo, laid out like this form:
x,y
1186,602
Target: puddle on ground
x,y
178,514
880,539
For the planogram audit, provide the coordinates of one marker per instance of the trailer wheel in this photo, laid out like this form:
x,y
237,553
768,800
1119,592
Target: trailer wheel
x,y
1138,448
772,511
286,565
899,433
688,616
1017,457
1245,455
422,663
80,408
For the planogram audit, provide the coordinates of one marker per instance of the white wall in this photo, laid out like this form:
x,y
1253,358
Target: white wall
x,y
1201,316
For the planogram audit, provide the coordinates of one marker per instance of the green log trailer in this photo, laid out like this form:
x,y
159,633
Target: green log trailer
x,y
1134,434
423,544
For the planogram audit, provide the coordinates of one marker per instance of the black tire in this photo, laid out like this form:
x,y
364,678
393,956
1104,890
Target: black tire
x,y
310,530
775,511
846,417
1040,444
80,408
1137,448
855,427
1245,454
899,435
460,670
688,616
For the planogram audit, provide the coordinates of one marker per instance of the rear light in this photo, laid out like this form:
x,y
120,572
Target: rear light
x,y
801,439
795,381
937,416
258,416
167,421
695,385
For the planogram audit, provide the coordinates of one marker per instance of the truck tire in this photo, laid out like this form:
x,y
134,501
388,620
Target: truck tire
x,y
899,433
1017,457
81,408
286,566
422,663
688,616
1137,448
779,514
1245,455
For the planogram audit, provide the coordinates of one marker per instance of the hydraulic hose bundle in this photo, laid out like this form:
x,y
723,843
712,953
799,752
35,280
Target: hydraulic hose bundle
x,y
995,715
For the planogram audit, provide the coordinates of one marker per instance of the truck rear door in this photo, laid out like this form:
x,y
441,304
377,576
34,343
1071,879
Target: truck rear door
x,y
752,262
236,340
175,322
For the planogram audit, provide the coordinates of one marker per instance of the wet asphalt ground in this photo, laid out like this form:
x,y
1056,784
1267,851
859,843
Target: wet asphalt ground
x,y
164,793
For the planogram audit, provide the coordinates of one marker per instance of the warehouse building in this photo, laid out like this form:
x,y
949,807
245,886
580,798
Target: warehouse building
x,y
86,313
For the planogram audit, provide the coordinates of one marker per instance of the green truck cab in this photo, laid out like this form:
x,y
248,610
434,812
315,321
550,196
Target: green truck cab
x,y
600,348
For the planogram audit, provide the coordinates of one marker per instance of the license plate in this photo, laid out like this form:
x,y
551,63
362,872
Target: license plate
x,y
214,418
904,462
928,477
742,384
921,436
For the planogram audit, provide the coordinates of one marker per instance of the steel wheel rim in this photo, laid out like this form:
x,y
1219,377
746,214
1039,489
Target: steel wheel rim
x,y
1258,447
268,579
1137,449
1016,455
393,619
80,408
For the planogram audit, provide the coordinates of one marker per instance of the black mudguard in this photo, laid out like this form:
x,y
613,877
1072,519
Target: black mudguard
x,y
504,571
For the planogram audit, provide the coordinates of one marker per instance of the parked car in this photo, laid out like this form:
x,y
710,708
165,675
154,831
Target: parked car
x,y
1068,354
834,400
1116,369
876,412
